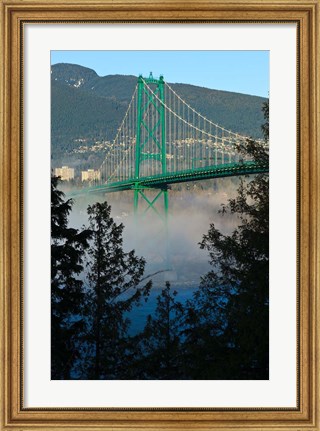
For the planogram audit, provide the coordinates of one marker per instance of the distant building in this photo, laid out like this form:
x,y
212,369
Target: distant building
x,y
65,173
90,175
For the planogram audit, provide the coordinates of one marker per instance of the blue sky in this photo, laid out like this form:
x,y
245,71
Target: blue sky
x,y
239,71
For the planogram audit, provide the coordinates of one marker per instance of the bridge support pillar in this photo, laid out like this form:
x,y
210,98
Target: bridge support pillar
x,y
151,148
166,225
162,213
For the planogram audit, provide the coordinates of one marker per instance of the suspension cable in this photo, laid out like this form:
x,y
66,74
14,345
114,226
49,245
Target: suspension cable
x,y
203,117
186,122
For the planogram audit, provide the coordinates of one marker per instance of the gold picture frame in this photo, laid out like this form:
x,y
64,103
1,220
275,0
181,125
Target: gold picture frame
x,y
14,416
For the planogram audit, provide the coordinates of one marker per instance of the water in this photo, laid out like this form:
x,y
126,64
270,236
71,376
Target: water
x,y
192,209
139,315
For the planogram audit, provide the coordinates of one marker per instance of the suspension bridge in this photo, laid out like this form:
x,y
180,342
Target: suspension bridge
x,y
161,141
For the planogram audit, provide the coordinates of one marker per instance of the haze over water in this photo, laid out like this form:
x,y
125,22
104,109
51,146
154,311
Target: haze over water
x,y
191,210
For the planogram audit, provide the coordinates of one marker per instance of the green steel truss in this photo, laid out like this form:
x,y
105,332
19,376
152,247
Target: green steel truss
x,y
164,180
157,136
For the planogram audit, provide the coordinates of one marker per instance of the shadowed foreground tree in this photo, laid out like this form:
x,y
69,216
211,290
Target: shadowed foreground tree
x,y
114,288
160,342
228,319
67,253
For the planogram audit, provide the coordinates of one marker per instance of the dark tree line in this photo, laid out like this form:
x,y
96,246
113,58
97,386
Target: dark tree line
x,y
221,333
68,247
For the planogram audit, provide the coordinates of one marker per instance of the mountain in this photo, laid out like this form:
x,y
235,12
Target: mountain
x,y
86,110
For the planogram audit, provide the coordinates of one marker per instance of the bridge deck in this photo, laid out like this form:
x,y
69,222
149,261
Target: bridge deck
x,y
163,180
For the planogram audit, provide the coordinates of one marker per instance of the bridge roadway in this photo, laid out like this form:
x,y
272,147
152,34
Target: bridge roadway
x,y
161,181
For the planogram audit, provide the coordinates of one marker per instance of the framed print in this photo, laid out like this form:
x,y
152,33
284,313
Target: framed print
x,y
159,201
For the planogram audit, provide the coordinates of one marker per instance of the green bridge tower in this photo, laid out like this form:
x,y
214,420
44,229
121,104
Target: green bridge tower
x,y
152,137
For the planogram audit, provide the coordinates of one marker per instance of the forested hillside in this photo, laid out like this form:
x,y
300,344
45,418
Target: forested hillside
x,y
86,111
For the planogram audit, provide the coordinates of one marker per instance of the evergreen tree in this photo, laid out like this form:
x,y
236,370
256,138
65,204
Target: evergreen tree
x,y
67,253
114,280
231,307
160,342
206,354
